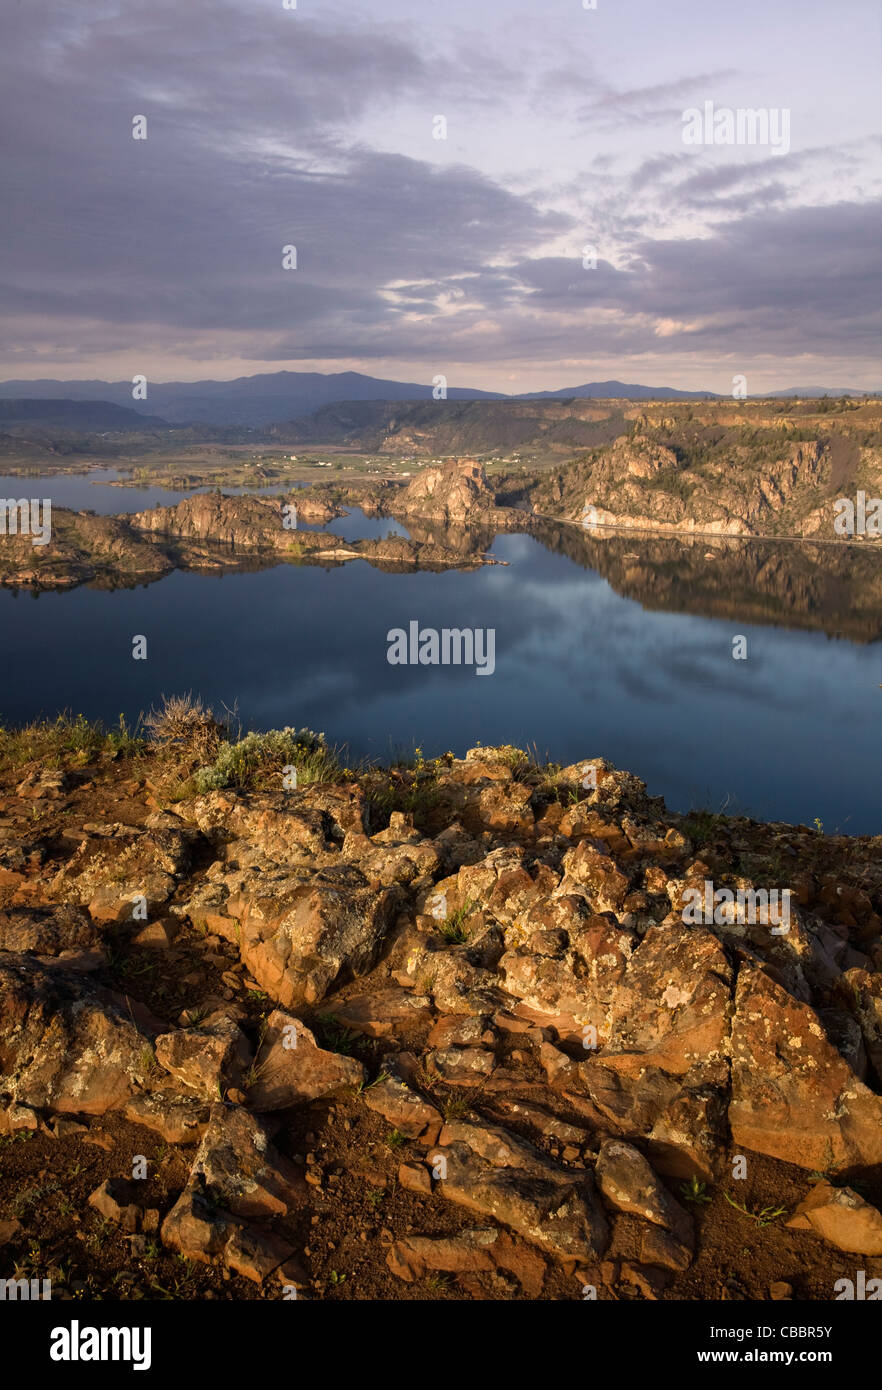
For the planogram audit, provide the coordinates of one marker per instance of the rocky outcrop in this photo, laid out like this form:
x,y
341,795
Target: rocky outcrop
x,y
207,532
677,478
446,494
506,999
102,549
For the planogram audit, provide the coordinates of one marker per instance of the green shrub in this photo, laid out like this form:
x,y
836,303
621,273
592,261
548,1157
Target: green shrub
x,y
255,758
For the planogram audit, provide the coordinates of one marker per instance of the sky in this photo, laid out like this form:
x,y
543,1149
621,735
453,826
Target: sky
x,y
563,231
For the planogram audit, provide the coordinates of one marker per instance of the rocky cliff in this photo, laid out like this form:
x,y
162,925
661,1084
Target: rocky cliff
x,y
726,479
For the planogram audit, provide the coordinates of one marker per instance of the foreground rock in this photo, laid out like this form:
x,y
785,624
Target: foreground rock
x,y
841,1216
291,1069
476,1251
236,1184
298,931
499,992
64,1047
489,1171
627,1180
793,1095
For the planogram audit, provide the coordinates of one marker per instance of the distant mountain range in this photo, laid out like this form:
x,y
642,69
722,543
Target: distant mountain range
x,y
248,400
618,391
816,392
89,416
273,397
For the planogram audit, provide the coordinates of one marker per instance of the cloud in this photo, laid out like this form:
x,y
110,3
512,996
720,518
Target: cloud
x,y
269,128
659,101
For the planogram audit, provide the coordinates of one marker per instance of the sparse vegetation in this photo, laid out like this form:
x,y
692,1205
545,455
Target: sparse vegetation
x,y
334,1035
702,826
760,1216
454,1107
257,761
437,1283
184,727
364,1086
453,927
65,740
694,1191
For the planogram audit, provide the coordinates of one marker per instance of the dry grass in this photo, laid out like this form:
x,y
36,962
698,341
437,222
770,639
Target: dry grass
x,y
186,728
65,741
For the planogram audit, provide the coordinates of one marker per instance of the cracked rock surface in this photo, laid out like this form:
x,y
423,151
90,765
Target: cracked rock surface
x,y
469,1045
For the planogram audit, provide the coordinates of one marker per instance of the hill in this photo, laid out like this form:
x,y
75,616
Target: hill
x,y
458,427
272,397
89,415
248,400
620,391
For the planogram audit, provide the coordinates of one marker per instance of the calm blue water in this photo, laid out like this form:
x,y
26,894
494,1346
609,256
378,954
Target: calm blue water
x,y
792,733
355,526
90,492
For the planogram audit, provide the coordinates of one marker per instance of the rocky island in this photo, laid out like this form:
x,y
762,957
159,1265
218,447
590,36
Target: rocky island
x,y
206,532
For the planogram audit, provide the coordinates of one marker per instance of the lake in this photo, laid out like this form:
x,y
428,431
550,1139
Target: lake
x,y
92,491
583,667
